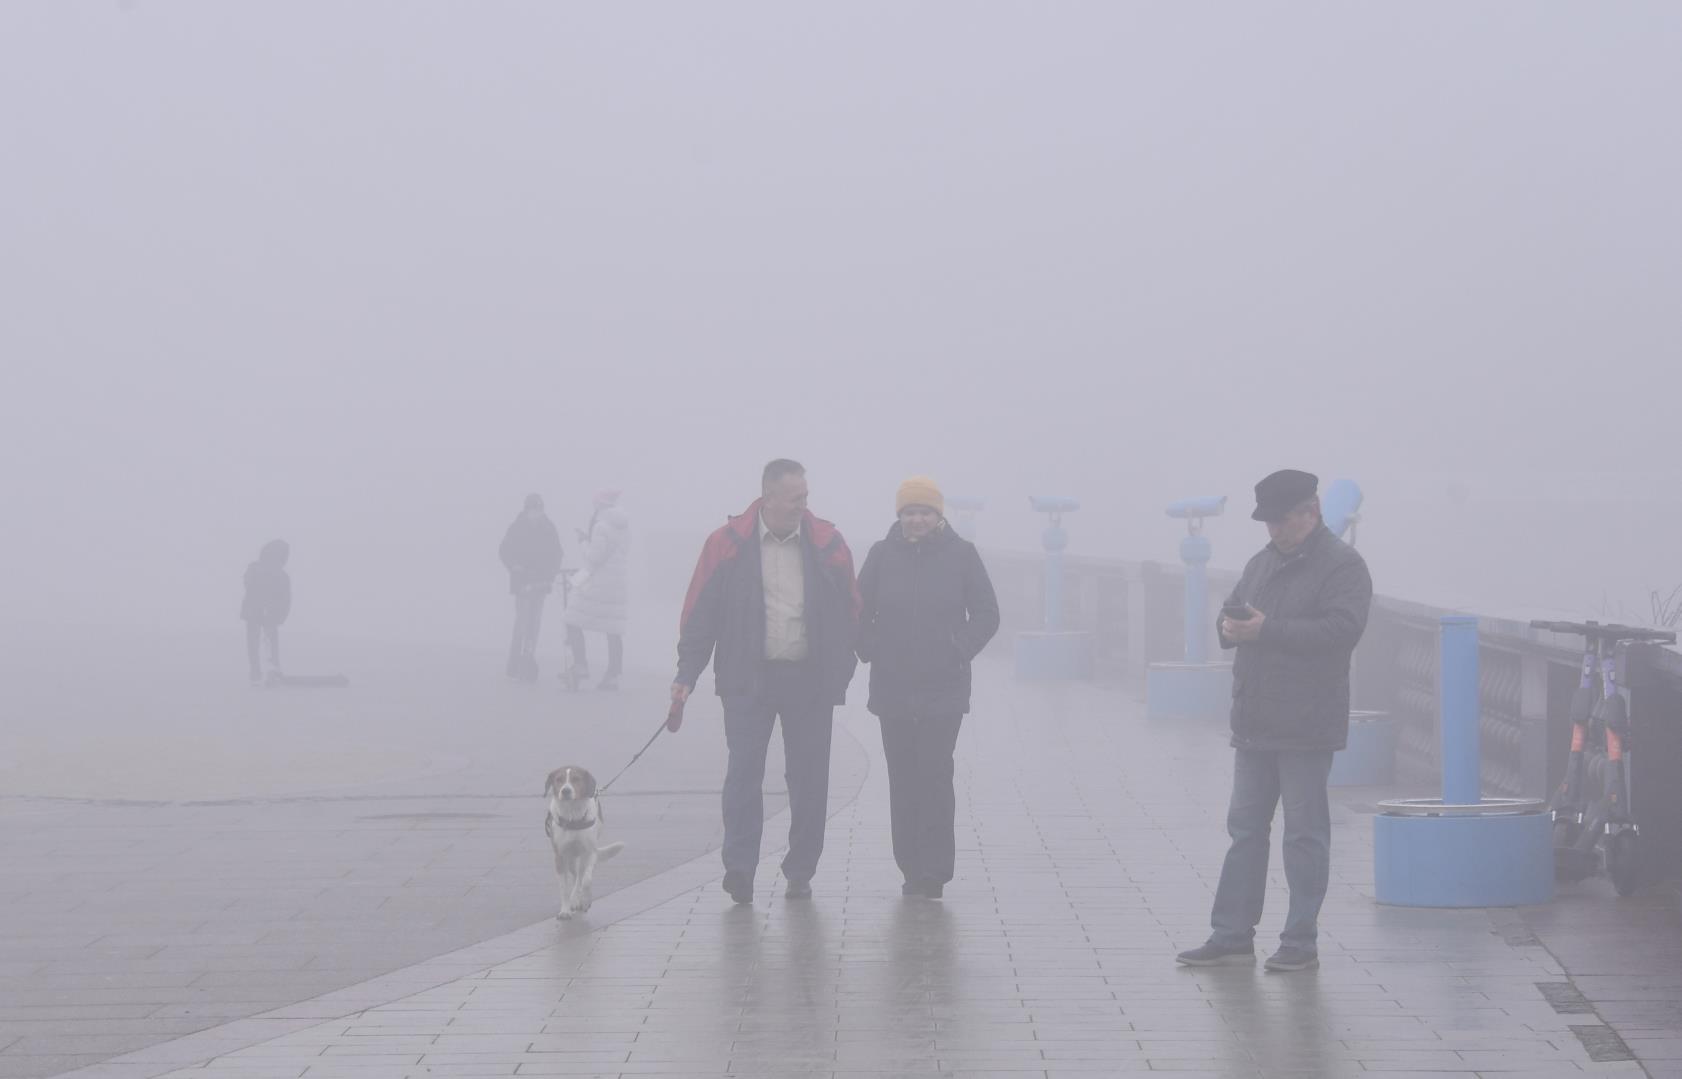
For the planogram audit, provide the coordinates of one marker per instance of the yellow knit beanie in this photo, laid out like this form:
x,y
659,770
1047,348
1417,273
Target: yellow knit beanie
x,y
920,491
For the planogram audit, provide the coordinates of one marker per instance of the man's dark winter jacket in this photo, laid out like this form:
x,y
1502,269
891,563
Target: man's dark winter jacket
x,y
531,549
724,612
268,587
1290,688
929,609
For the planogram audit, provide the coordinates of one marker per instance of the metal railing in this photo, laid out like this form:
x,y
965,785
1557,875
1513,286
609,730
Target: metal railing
x,y
1136,612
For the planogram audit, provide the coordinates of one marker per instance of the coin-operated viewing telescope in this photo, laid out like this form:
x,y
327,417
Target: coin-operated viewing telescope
x,y
966,508
1053,653
1194,688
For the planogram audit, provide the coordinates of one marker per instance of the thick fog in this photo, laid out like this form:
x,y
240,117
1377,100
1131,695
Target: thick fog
x,y
363,275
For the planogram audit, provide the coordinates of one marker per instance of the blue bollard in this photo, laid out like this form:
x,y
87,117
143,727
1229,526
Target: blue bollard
x,y
1461,751
1462,850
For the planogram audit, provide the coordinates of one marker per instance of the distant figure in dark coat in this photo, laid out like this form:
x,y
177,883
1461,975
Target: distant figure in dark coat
x,y
929,610
267,602
531,551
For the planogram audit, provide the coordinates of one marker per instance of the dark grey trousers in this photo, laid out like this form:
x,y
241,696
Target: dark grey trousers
x,y
807,728
1261,780
528,622
920,796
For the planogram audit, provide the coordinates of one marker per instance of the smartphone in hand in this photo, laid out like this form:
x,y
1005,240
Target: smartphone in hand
x,y
1238,612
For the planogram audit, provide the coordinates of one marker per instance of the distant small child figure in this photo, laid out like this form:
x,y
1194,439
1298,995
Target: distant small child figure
x,y
268,600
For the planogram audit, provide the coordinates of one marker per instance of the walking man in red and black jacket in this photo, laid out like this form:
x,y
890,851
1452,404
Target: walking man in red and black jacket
x,y
773,605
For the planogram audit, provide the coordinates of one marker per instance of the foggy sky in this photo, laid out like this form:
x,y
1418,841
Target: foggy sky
x,y
362,274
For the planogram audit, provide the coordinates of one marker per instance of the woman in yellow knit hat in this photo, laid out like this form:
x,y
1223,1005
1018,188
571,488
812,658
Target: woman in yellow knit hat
x,y
929,609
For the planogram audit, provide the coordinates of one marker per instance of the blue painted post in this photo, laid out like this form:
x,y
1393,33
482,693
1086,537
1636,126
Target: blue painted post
x,y
1194,552
1458,667
1054,539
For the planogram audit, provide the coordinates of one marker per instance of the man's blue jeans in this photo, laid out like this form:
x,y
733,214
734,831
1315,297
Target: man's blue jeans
x,y
807,728
1261,780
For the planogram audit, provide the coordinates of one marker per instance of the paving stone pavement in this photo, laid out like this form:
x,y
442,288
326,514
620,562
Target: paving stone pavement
x,y
256,849
1089,844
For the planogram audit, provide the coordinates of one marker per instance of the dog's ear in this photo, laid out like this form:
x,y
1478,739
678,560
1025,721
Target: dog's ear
x,y
588,782
553,781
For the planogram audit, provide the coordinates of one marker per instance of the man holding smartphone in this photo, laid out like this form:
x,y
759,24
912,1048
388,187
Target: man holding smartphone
x,y
1294,618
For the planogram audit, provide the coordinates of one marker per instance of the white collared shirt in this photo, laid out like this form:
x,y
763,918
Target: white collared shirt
x,y
782,565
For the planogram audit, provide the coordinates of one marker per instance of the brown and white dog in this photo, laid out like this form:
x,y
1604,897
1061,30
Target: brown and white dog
x,y
574,824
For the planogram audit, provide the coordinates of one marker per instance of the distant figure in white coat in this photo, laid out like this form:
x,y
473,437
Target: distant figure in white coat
x,y
600,593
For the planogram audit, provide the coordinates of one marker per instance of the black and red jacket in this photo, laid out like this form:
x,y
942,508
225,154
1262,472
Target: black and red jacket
x,y
724,613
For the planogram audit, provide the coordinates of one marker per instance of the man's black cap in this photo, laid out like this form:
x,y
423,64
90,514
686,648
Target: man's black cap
x,y
1283,492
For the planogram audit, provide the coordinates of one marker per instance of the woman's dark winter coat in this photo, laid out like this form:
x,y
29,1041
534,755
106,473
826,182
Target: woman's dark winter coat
x,y
531,551
929,609
268,589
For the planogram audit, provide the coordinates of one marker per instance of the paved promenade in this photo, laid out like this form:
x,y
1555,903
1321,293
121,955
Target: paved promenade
x,y
1088,848
211,852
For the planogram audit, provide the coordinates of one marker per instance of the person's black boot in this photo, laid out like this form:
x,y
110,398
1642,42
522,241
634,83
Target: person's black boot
x,y
740,886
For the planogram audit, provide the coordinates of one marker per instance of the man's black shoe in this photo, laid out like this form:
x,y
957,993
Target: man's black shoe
x,y
799,889
1212,955
739,885
908,888
1290,957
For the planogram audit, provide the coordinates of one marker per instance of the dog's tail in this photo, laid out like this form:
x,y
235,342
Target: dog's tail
x,y
608,850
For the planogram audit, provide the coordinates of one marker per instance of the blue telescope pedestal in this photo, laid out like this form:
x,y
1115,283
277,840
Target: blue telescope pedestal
x,y
966,508
1369,760
1462,850
1196,688
1054,654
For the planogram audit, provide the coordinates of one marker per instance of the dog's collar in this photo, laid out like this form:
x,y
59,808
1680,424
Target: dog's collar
x,y
550,821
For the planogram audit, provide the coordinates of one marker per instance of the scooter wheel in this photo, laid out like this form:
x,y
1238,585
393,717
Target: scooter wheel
x,y
1623,862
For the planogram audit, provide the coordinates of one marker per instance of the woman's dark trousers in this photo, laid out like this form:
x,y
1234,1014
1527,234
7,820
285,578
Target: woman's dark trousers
x,y
920,796
580,652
